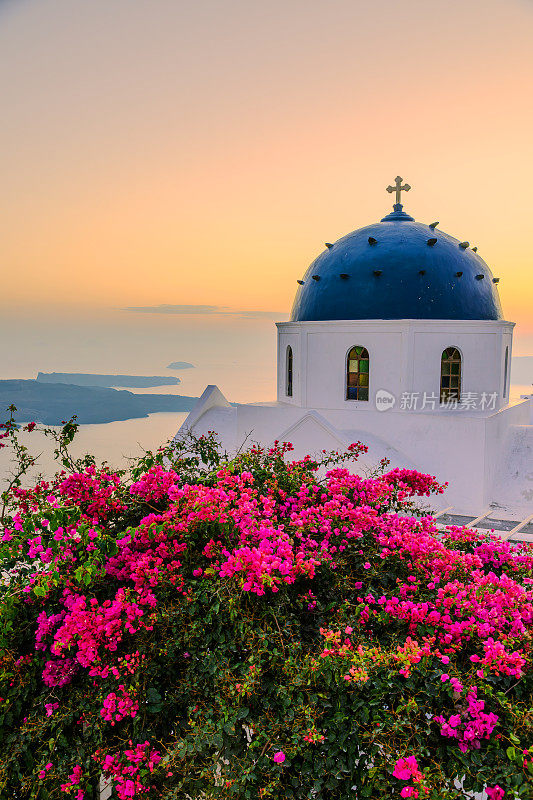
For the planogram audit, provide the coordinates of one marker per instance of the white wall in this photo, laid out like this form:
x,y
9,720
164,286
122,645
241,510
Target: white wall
x,y
517,470
405,356
449,445
482,353
290,339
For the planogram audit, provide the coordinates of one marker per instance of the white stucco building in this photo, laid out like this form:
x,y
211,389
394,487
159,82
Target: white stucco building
x,y
397,338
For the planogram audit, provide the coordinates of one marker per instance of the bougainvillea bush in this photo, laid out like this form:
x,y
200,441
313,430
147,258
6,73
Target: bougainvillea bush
x,y
198,627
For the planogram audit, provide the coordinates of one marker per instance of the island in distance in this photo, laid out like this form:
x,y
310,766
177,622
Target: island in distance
x,y
107,381
51,403
180,365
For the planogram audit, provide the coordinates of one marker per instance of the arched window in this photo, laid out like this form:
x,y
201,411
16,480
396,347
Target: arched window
x,y
450,375
506,373
288,379
357,374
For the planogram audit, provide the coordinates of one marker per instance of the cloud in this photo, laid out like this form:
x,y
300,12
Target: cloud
x,y
261,314
168,309
204,309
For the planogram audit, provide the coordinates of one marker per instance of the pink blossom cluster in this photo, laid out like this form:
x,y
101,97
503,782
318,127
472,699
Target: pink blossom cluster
x,y
73,780
45,626
153,486
36,549
495,792
407,769
126,769
4,433
409,483
411,653
149,555
498,659
119,705
125,665
59,671
42,772
322,521
30,500
470,725
490,549
267,564
97,492
88,627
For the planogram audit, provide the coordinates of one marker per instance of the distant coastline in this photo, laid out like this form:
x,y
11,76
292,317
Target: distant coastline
x,y
51,403
108,381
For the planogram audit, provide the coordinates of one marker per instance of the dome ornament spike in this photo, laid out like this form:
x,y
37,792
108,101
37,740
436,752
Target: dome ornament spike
x,y
398,188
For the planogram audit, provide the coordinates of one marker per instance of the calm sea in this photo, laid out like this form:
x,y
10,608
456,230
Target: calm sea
x,y
114,442
236,351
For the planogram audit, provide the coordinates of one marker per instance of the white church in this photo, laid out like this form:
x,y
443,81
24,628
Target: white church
x,y
397,338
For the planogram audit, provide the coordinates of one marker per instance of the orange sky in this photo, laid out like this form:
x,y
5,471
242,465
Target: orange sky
x,y
201,151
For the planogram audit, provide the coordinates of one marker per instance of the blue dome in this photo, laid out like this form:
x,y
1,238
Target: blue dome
x,y
397,269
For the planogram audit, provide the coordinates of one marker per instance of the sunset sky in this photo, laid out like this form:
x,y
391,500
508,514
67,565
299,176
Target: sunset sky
x,y
200,152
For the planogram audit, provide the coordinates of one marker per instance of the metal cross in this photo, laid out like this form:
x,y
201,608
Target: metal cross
x,y
398,188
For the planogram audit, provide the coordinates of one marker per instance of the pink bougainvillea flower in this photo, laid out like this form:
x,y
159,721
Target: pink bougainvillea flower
x,y
279,757
494,792
406,769
401,770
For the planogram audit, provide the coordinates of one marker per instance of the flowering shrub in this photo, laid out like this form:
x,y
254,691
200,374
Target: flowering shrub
x,y
257,628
